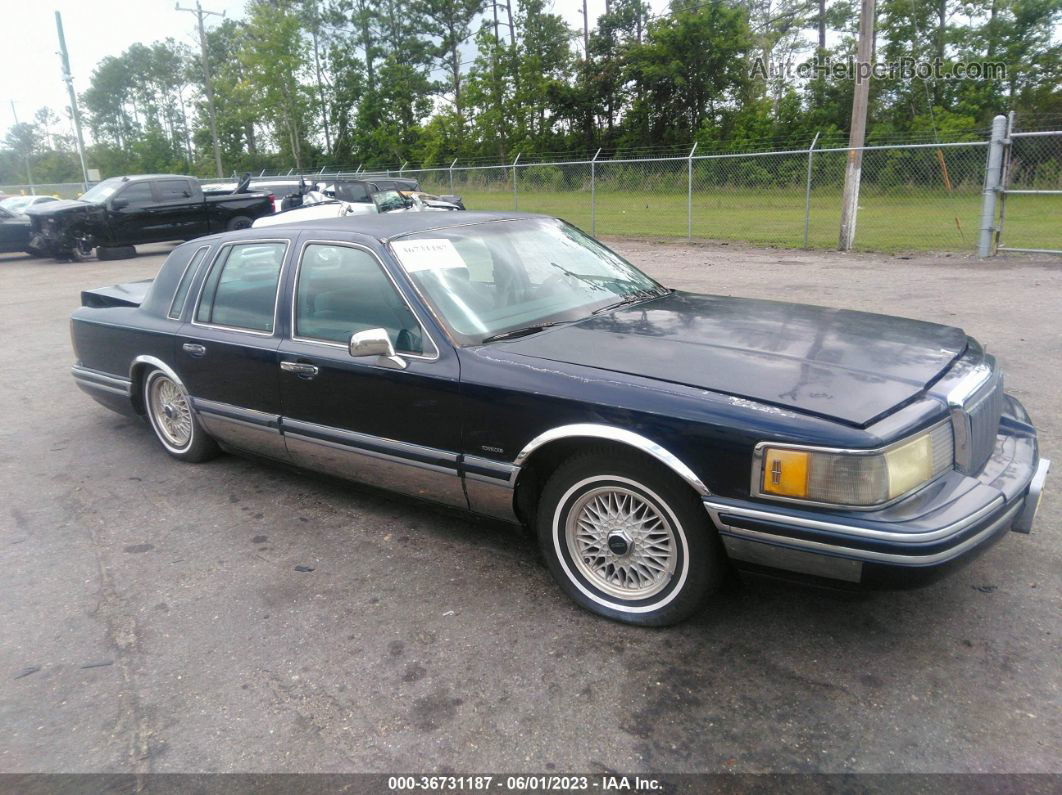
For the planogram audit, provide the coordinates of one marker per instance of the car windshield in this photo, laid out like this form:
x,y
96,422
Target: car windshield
x,y
98,194
388,200
502,278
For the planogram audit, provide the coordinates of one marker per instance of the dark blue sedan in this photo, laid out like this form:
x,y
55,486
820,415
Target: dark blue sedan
x,y
513,366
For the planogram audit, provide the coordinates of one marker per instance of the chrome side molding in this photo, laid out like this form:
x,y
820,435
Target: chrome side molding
x,y
620,435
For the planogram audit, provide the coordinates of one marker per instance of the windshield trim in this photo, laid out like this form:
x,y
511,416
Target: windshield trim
x,y
547,320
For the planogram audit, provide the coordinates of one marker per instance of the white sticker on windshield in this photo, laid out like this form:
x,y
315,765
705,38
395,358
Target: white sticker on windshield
x,y
424,255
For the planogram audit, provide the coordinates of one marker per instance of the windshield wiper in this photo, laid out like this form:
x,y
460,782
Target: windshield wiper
x,y
520,332
633,298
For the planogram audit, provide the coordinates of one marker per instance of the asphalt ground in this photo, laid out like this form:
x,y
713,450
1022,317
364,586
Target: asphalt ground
x,y
152,618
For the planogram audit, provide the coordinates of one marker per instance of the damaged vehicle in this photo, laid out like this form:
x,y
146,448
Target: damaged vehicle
x,y
117,214
14,232
360,191
317,205
513,366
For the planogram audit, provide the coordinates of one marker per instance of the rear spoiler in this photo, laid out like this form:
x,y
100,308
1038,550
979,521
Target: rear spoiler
x,y
128,294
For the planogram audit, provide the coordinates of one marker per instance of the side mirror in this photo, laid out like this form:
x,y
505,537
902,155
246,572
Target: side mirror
x,y
117,204
375,342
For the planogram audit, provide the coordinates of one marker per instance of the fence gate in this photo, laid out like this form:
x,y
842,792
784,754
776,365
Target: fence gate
x,y
1026,156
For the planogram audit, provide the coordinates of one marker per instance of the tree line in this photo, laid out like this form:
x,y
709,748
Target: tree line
x,y
312,83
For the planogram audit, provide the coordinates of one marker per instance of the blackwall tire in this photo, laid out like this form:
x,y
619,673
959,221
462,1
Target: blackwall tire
x,y
239,222
626,539
169,412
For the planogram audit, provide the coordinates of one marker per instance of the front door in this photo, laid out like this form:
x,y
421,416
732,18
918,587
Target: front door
x,y
127,213
364,418
228,356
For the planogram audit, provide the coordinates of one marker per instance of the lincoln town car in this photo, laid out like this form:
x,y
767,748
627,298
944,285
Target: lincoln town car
x,y
512,366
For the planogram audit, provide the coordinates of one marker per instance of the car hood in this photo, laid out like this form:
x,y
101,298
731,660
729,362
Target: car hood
x,y
60,207
850,366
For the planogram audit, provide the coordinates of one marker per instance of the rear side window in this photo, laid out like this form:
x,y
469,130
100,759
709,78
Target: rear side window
x,y
241,289
173,190
352,192
181,296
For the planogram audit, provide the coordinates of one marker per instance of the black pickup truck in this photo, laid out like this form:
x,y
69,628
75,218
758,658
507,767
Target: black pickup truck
x,y
121,212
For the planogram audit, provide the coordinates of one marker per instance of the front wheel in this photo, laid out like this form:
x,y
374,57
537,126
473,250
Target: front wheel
x,y
169,410
627,540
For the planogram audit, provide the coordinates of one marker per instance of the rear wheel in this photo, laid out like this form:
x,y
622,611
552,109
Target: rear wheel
x,y
239,222
627,540
169,410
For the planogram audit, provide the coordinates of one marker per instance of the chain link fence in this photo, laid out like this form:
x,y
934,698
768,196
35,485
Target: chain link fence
x,y
913,197
1030,190
60,190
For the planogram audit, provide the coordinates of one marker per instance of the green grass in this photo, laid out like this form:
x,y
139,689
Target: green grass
x,y
919,221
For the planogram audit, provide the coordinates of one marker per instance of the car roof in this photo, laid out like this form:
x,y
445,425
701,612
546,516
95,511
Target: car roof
x,y
391,225
138,177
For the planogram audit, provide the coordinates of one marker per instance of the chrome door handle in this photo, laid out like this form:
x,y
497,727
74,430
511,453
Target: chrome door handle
x,y
194,349
300,369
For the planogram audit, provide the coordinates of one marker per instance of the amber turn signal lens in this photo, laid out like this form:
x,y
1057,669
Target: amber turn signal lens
x,y
785,473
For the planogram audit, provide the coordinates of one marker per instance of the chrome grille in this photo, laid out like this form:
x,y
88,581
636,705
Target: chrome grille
x,y
941,438
976,424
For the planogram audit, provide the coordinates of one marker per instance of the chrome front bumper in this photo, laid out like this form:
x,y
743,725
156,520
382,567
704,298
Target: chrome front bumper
x,y
947,521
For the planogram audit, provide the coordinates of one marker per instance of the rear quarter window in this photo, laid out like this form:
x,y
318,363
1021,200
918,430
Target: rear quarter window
x,y
180,297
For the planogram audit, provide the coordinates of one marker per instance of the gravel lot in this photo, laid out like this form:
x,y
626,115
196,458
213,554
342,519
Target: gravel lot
x,y
152,620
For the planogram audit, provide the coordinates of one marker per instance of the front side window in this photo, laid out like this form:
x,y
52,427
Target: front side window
x,y
491,278
137,193
342,290
241,289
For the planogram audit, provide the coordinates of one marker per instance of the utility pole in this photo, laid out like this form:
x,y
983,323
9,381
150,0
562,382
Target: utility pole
x,y
320,84
75,114
25,154
586,32
857,135
199,14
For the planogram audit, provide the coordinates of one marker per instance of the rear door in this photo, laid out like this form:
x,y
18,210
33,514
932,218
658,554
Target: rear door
x,y
363,418
178,213
227,355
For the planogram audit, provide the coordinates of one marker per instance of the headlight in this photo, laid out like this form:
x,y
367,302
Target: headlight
x,y
856,478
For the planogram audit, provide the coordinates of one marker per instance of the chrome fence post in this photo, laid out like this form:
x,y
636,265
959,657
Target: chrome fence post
x,y
992,169
452,176
807,191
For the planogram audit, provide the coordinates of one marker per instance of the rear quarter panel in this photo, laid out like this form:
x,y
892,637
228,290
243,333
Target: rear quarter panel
x,y
222,209
110,339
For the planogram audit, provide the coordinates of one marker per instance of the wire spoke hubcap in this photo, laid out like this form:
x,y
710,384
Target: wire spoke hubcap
x,y
169,408
621,542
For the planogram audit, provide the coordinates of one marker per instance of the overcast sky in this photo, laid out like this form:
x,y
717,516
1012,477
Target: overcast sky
x,y
30,73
